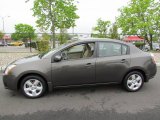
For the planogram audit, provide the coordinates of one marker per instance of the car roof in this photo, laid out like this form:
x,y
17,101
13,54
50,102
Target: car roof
x,y
133,49
99,40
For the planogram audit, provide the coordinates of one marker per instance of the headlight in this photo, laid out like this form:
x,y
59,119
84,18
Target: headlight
x,y
8,69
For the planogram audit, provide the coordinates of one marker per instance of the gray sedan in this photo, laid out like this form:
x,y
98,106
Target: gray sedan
x,y
81,63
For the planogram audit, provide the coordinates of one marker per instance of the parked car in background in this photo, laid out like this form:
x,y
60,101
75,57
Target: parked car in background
x,y
81,63
156,47
2,43
17,43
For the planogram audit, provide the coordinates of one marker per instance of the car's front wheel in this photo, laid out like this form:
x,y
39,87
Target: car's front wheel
x,y
133,81
33,86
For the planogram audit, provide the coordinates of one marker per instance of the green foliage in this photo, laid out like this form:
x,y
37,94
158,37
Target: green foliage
x,y
63,37
1,35
43,46
14,36
102,28
24,32
46,36
55,14
138,44
113,32
140,17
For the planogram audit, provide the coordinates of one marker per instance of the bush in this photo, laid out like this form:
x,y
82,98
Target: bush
x,y
63,37
140,45
43,46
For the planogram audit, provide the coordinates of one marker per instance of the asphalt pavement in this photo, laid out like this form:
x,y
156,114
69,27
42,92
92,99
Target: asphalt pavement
x,y
92,103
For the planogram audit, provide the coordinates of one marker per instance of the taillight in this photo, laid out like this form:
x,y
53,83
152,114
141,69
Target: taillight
x,y
153,58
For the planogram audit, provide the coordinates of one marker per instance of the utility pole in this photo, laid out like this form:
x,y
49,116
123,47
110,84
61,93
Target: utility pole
x,y
3,21
3,18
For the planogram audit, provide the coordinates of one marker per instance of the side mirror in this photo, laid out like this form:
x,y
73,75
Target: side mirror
x,y
57,58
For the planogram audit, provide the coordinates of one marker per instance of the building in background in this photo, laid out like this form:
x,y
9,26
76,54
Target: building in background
x,y
6,39
133,39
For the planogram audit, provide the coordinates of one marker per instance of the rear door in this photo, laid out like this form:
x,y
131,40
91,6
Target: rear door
x,y
112,62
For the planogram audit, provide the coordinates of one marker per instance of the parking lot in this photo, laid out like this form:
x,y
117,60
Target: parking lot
x,y
95,103
11,53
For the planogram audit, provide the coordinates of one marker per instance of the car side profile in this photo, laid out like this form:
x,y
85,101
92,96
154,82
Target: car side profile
x,y
81,63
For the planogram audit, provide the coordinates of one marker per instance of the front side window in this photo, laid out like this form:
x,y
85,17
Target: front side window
x,y
107,49
78,51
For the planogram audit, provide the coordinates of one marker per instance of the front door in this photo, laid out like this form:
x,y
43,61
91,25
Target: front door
x,y
77,66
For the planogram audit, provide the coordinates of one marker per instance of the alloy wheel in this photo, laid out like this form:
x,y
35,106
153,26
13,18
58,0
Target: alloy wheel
x,y
33,87
134,82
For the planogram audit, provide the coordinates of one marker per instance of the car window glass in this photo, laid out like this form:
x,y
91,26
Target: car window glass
x,y
107,49
78,51
124,49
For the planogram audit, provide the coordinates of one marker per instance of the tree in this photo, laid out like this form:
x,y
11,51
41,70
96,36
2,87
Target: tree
x,y
55,14
24,32
1,35
14,36
102,28
140,17
63,37
113,32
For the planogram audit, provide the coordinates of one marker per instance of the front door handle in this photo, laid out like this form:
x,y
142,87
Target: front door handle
x,y
88,64
123,60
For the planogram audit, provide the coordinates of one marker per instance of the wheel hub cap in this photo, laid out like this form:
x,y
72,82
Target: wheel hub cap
x,y
134,82
33,87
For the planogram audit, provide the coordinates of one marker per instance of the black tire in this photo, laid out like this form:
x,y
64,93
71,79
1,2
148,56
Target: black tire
x,y
38,78
125,84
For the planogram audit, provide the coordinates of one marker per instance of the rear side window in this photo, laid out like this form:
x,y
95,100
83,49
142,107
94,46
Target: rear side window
x,y
124,50
107,49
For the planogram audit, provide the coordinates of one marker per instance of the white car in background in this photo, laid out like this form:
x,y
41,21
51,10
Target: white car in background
x,y
155,46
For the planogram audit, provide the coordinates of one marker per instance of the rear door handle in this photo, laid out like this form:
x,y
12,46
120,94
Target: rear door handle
x,y
123,60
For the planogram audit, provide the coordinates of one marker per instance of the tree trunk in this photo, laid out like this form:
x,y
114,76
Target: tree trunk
x,y
30,41
146,38
53,35
151,41
53,38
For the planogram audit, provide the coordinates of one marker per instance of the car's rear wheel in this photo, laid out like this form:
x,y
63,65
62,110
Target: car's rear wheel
x,y
33,86
133,81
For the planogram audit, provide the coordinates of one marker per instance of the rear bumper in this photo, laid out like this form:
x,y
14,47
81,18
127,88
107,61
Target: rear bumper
x,y
152,72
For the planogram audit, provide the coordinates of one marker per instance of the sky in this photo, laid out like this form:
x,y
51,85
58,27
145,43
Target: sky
x,y
17,11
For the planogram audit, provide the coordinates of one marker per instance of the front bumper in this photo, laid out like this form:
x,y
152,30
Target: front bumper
x,y
9,82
